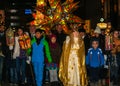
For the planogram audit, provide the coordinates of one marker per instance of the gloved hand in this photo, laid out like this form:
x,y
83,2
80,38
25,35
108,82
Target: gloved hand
x,y
28,59
11,47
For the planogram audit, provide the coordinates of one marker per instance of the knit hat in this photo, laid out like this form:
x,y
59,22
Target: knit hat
x,y
97,30
52,45
51,36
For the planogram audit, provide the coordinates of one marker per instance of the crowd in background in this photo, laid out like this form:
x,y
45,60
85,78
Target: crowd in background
x,y
15,63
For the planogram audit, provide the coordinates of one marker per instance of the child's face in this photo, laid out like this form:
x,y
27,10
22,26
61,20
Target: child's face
x,y
53,39
20,32
38,35
95,44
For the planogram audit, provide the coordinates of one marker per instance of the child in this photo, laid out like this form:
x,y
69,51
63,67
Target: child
x,y
54,49
94,60
38,44
19,54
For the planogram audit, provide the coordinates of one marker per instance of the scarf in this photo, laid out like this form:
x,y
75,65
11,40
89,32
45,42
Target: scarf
x,y
38,40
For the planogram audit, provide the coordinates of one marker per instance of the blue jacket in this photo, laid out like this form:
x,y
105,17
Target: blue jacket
x,y
95,58
38,51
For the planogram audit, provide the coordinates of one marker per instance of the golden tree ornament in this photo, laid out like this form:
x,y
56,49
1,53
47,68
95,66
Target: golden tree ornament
x,y
52,12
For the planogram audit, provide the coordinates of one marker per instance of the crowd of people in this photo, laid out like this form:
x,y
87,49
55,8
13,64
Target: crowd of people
x,y
75,59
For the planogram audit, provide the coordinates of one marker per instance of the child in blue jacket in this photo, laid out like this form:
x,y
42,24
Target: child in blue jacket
x,y
38,45
94,62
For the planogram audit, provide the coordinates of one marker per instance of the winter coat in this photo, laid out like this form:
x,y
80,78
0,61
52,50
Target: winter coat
x,y
95,58
38,50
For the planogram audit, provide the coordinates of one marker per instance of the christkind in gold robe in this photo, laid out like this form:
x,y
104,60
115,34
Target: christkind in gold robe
x,y
73,52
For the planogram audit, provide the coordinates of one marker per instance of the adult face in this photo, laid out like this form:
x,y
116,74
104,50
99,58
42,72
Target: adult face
x,y
75,34
32,29
59,28
2,29
97,34
115,34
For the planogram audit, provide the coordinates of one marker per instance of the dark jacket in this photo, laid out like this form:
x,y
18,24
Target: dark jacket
x,y
4,47
87,43
55,54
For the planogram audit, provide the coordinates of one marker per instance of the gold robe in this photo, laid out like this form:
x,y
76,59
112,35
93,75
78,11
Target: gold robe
x,y
63,71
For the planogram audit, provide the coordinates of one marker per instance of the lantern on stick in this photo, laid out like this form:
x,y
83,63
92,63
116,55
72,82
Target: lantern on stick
x,y
10,38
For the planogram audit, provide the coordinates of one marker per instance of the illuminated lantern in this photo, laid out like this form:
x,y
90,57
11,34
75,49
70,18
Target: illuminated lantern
x,y
24,42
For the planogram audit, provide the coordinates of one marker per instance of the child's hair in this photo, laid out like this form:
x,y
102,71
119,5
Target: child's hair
x,y
20,28
94,39
39,30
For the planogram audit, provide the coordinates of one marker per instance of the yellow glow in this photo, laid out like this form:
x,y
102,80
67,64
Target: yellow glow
x,y
62,22
40,2
102,25
39,15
